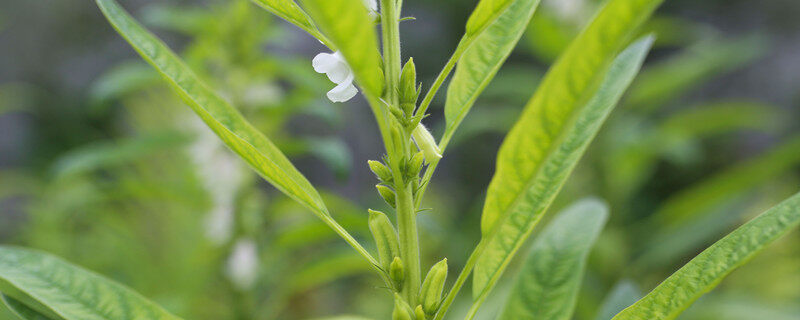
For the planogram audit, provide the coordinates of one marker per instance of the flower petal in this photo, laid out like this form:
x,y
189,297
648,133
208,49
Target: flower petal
x,y
344,91
324,62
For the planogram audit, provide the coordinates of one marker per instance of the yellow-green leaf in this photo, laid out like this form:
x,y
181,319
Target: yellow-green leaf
x,y
288,10
554,130
548,283
51,287
484,57
349,28
220,116
670,298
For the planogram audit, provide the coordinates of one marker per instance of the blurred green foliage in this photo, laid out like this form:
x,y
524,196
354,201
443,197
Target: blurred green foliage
x,y
131,198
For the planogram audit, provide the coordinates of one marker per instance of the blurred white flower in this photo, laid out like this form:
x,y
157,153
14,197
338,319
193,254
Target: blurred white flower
x,y
569,10
222,173
242,266
338,71
372,5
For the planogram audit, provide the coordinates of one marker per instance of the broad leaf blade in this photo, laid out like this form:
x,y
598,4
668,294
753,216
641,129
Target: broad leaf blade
x,y
347,25
554,130
71,292
223,119
484,57
707,270
548,284
485,13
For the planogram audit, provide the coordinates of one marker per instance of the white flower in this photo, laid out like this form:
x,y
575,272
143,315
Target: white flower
x,y
426,143
372,5
338,71
242,266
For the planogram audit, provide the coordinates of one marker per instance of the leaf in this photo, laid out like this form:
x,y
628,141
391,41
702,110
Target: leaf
x,y
559,122
484,57
727,185
622,295
223,119
710,267
68,291
289,10
485,13
352,33
22,311
548,284
670,79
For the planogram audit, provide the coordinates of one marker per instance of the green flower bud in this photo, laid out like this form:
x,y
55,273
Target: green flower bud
x,y
419,313
426,143
415,164
408,87
402,311
387,194
431,292
397,273
380,170
385,237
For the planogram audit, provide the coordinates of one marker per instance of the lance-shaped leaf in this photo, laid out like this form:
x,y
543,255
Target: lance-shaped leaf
x,y
289,10
482,59
50,287
220,116
349,28
710,267
548,284
554,130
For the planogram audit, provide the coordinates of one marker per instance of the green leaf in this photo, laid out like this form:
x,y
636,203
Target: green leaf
x,y
22,311
710,267
68,291
622,295
484,57
485,13
671,79
223,119
728,185
352,32
554,130
289,10
548,284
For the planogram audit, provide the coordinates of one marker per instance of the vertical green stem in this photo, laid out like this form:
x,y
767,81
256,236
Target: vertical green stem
x,y
406,209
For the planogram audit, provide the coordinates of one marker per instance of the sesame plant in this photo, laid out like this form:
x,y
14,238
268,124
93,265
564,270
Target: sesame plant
x,y
536,158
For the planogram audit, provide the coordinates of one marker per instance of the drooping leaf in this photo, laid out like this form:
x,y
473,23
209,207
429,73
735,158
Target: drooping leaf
x,y
710,267
22,311
622,295
40,280
559,122
548,283
349,28
223,119
484,57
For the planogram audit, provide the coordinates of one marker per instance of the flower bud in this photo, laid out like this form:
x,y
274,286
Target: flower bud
x,y
415,165
408,87
419,313
385,237
387,194
402,311
397,273
380,170
431,292
426,143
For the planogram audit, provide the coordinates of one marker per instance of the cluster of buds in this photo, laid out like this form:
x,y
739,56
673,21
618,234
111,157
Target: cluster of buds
x,y
430,296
